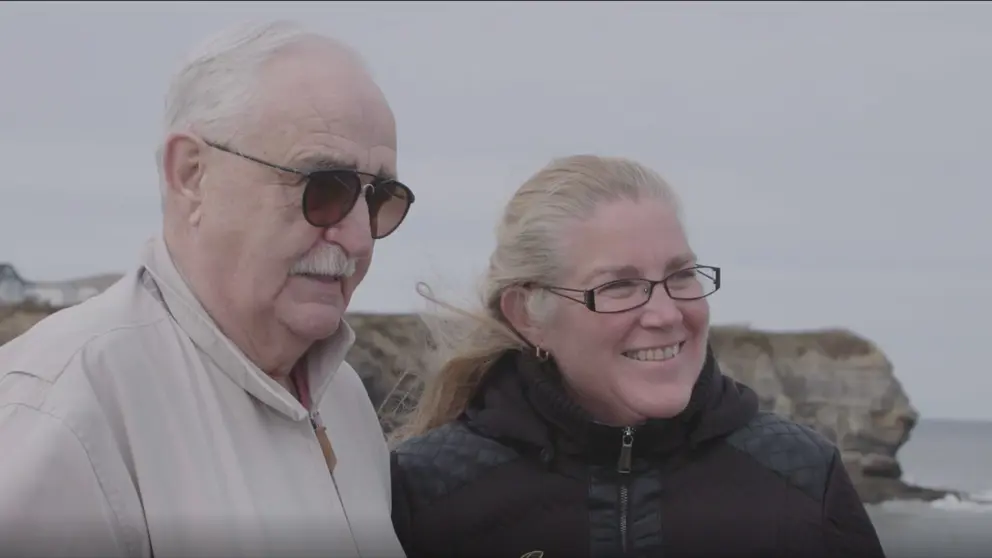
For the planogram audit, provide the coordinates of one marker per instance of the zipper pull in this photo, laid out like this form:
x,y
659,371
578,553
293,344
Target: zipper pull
x,y
315,419
323,440
627,442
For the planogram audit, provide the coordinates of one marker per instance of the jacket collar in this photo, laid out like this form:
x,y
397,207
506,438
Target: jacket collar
x,y
522,401
323,359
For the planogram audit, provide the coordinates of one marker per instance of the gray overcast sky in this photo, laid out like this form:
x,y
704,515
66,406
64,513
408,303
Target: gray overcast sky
x,y
832,157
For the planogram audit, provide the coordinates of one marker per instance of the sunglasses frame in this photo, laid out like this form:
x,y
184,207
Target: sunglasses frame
x,y
374,182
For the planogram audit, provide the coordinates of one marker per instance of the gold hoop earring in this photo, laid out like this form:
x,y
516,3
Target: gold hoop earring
x,y
541,354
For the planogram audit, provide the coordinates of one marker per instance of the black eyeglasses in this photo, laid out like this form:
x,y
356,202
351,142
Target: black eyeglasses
x,y
331,194
622,295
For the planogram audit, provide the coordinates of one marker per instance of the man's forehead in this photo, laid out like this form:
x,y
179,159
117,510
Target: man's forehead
x,y
324,111
322,85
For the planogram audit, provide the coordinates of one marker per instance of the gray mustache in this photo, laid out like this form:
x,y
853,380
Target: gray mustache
x,y
329,260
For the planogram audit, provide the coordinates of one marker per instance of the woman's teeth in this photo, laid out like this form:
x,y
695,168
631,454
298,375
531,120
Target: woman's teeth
x,y
655,353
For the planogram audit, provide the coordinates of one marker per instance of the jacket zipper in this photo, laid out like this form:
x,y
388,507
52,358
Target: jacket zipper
x,y
300,381
623,467
325,444
320,433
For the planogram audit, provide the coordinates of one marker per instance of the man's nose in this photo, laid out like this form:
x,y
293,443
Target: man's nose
x,y
354,232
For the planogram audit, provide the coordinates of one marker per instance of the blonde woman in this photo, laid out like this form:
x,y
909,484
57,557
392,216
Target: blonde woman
x,y
581,412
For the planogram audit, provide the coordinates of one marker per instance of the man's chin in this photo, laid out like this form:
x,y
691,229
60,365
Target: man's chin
x,y
315,321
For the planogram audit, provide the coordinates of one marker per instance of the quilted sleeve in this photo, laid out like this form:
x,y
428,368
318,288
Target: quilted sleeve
x,y
848,530
401,511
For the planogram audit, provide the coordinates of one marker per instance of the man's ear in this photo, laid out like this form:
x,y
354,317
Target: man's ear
x,y
183,170
513,303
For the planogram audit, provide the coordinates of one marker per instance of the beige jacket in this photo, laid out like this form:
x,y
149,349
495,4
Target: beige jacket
x,y
130,426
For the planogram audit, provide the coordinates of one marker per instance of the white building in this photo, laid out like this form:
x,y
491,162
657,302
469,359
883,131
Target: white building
x,y
14,289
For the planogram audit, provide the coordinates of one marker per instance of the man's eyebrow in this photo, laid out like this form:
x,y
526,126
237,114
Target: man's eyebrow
x,y
325,162
335,162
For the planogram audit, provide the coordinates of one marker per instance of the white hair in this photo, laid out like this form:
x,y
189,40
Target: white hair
x,y
214,88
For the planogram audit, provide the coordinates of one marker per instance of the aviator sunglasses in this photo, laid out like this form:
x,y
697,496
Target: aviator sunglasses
x,y
330,194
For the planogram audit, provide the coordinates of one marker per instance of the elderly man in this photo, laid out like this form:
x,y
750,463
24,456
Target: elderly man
x,y
202,406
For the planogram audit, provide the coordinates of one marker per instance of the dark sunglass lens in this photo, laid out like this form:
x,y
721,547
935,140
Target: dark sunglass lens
x,y
329,196
388,205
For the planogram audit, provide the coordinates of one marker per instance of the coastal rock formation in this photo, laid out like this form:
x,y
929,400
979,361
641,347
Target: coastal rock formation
x,y
832,380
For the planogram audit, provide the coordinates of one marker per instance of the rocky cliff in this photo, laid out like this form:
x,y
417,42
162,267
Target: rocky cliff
x,y
832,380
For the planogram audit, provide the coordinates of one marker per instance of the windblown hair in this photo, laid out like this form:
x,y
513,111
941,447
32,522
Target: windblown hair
x,y
529,241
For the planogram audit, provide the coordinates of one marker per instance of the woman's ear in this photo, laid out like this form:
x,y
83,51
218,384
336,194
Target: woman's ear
x,y
513,303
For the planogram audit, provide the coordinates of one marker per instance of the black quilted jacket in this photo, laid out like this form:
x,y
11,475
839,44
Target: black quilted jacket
x,y
526,474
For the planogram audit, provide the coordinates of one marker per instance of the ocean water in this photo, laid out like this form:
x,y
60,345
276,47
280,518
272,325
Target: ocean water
x,y
942,454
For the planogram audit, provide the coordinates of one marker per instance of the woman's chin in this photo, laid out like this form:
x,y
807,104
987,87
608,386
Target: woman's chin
x,y
660,402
